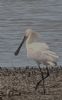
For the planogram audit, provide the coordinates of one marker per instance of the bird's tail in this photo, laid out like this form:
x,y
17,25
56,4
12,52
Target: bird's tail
x,y
52,63
53,54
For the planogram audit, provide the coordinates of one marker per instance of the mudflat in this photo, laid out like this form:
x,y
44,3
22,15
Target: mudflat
x,y
19,84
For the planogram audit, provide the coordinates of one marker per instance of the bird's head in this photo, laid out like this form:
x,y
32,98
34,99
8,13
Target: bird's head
x,y
28,32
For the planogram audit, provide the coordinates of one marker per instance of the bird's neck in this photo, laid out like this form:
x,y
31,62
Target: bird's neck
x,y
32,38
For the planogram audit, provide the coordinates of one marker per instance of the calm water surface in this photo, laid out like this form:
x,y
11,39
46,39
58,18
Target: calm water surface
x,y
43,16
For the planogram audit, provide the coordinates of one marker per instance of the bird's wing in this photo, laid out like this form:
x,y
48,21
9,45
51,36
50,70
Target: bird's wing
x,y
44,54
51,53
44,46
39,46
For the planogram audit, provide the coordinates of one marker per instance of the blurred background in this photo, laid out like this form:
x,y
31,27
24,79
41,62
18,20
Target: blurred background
x,y
43,16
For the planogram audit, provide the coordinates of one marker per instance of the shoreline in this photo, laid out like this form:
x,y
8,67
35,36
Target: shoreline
x,y
20,83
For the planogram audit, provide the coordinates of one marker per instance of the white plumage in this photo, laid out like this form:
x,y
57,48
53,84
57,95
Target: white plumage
x,y
39,51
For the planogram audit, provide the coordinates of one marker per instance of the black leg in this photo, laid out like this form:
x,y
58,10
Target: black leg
x,y
47,72
40,80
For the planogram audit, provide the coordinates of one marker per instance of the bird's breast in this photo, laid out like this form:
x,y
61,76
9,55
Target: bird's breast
x,y
30,52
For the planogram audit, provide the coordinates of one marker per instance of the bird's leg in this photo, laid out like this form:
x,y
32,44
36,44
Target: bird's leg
x,y
43,78
40,80
47,72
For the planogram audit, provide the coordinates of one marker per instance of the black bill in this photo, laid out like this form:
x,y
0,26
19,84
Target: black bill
x,y
18,49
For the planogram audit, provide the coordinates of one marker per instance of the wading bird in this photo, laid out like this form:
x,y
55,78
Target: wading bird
x,y
39,52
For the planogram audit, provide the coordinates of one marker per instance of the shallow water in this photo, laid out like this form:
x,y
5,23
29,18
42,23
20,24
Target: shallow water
x,y
43,16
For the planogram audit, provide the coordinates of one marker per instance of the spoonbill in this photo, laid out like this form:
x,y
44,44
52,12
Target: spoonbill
x,y
39,52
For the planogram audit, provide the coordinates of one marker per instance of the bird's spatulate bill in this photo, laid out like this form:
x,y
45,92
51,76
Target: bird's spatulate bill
x,y
18,49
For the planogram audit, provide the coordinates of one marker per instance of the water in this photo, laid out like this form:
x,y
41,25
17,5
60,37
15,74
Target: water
x,y
43,16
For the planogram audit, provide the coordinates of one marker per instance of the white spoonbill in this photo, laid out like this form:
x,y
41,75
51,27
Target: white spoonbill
x,y
39,52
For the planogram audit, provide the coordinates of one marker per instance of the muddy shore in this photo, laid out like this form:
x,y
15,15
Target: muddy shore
x,y
19,84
